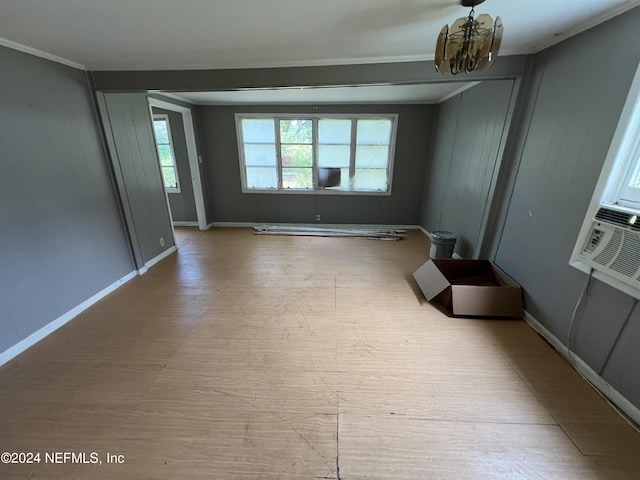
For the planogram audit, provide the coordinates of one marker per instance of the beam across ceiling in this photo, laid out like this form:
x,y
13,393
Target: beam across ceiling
x,y
333,75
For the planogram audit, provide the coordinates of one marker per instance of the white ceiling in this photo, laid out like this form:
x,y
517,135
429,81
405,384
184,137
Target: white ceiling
x,y
202,34
198,34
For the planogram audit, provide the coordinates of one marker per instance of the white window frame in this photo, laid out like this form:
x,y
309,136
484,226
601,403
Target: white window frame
x,y
165,117
316,190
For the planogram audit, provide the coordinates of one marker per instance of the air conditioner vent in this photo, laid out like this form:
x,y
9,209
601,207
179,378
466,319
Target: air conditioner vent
x,y
628,261
621,219
611,248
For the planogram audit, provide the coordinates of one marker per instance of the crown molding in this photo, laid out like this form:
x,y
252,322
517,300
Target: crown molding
x,y
39,53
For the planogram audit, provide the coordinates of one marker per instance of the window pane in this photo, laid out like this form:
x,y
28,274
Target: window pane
x,y
297,155
162,133
334,155
262,178
344,180
169,175
296,131
374,132
377,157
334,131
166,159
297,178
370,179
635,177
630,192
260,155
258,130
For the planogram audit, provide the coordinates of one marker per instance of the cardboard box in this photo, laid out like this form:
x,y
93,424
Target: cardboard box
x,y
470,288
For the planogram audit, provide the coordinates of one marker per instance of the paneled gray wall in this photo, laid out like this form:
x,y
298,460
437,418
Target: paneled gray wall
x,y
465,150
577,92
62,238
183,205
400,208
127,121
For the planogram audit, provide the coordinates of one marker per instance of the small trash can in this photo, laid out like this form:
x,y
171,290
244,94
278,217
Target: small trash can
x,y
442,244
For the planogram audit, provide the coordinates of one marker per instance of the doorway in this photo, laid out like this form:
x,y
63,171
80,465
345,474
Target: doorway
x,y
181,173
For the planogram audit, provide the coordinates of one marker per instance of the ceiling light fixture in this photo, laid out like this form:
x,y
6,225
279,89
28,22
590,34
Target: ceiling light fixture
x,y
471,44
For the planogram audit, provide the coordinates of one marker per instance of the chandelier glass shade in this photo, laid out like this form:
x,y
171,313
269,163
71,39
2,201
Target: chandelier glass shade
x,y
471,44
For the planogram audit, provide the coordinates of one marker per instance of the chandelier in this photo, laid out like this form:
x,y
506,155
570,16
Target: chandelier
x,y
471,44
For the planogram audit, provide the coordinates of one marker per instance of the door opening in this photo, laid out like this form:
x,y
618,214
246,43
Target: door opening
x,y
179,162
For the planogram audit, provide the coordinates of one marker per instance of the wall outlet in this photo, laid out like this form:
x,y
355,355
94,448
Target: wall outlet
x,y
162,241
317,217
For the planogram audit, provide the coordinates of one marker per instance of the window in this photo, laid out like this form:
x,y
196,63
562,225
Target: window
x,y
165,153
620,177
316,153
607,244
629,191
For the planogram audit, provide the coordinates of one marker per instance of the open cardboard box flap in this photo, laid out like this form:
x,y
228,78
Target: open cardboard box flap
x,y
470,288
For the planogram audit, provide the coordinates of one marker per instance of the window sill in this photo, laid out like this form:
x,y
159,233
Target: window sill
x,y
293,191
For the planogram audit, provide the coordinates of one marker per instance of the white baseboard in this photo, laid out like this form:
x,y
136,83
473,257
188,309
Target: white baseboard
x,y
350,226
157,259
51,327
603,387
185,224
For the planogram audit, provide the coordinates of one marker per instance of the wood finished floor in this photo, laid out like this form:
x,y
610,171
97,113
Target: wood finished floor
x,y
264,357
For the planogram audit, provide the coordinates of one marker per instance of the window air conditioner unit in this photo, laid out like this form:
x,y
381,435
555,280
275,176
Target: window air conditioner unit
x,y
613,245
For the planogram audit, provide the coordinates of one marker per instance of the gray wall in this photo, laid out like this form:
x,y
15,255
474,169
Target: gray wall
x,y
127,122
400,208
568,107
183,205
575,97
465,149
62,236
